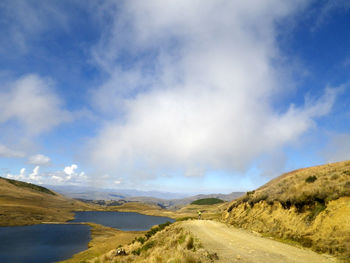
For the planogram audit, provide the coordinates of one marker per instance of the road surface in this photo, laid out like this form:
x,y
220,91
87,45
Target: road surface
x,y
237,245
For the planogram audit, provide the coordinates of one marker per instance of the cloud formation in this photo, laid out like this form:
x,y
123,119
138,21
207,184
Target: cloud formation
x,y
30,103
23,22
39,159
67,176
204,99
9,153
34,176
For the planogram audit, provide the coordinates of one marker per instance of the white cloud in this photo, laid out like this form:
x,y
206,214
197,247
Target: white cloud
x,y
20,176
9,153
66,176
58,179
209,93
69,170
39,159
34,176
31,103
69,175
117,182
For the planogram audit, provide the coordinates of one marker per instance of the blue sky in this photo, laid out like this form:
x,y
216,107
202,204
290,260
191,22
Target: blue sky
x,y
181,96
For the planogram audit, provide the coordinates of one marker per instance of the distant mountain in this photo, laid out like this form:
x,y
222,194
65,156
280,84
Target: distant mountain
x,y
95,193
178,203
113,197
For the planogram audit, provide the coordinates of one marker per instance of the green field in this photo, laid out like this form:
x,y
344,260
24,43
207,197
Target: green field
x,y
207,201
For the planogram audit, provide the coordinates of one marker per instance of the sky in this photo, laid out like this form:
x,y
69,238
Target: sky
x,y
178,96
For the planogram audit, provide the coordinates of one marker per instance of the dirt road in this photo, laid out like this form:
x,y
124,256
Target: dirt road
x,y
237,245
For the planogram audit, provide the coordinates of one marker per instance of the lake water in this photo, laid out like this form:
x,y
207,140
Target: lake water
x,y
47,243
126,221
42,243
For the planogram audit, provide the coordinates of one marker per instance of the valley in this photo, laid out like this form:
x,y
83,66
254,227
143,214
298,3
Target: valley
x,y
283,220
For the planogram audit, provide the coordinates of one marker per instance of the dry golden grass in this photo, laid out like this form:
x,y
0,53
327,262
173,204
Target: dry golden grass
x,y
25,206
172,245
212,212
142,208
103,240
304,186
310,206
208,211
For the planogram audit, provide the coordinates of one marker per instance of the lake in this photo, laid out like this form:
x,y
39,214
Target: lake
x,y
127,221
42,243
54,242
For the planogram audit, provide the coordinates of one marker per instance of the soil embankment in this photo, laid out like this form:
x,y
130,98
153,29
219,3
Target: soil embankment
x,y
309,206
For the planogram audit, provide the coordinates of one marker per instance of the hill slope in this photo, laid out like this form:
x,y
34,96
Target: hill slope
x,y
207,201
208,241
22,204
116,197
310,206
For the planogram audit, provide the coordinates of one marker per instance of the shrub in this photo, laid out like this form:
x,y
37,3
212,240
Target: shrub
x,y
182,239
189,244
141,239
145,247
185,218
311,179
318,208
347,172
136,252
148,245
157,229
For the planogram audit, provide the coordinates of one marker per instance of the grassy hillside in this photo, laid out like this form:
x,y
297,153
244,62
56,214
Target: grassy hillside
x,y
22,204
207,201
103,240
212,212
167,243
310,206
108,197
29,185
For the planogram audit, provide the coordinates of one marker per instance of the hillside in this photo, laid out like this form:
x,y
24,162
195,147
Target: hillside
x,y
175,204
207,201
110,197
310,206
206,241
171,244
98,193
22,204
